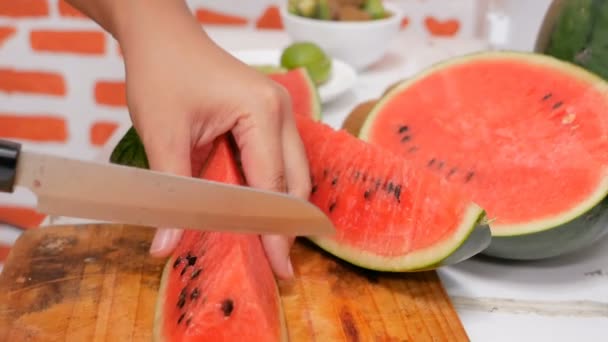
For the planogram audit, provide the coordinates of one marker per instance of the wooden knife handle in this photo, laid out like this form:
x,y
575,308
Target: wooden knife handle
x,y
9,154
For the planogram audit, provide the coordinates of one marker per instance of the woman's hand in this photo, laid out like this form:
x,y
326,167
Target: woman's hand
x,y
183,91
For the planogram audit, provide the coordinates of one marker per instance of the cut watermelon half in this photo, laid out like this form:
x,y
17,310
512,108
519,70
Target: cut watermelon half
x,y
388,216
305,99
525,134
214,284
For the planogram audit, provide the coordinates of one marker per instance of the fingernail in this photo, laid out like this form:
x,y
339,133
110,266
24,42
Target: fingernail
x,y
289,268
164,239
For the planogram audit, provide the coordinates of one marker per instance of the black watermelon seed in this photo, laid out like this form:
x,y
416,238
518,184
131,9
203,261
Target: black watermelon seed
x,y
332,206
469,176
181,302
177,262
181,318
390,187
431,162
367,194
398,193
403,129
548,96
406,138
195,294
452,171
182,298
334,181
557,105
192,260
195,274
314,189
227,307
184,270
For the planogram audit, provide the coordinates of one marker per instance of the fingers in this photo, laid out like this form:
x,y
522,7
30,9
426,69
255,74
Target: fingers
x,y
297,171
260,139
168,151
298,184
164,242
277,249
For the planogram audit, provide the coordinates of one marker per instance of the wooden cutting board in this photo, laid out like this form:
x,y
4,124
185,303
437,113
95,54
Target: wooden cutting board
x,y
97,283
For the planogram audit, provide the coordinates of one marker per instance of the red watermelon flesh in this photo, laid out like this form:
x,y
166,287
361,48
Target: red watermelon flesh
x,y
388,215
219,286
527,135
302,90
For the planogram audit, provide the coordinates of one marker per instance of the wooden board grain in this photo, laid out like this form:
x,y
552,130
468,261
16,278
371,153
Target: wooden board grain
x,y
97,283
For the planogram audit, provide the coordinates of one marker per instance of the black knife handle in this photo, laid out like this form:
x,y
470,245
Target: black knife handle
x,y
9,154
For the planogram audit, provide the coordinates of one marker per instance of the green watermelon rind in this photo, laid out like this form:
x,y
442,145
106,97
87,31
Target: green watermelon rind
x,y
158,334
565,238
316,98
542,238
427,258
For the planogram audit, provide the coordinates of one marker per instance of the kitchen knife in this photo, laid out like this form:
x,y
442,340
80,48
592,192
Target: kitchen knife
x,y
129,195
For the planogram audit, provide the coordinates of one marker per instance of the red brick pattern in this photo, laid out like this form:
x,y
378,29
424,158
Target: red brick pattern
x,y
34,127
101,131
6,32
210,17
23,217
437,27
111,93
79,42
67,10
33,82
24,8
270,19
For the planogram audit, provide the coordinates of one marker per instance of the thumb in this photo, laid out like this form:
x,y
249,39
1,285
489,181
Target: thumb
x,y
168,154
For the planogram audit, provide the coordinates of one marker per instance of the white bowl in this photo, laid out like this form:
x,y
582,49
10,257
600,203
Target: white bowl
x,y
358,43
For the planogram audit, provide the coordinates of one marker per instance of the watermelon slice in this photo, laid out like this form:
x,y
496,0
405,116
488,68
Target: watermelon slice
x,y
525,134
214,284
388,216
304,94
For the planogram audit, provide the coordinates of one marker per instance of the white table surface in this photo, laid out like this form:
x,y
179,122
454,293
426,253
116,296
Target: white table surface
x,y
562,299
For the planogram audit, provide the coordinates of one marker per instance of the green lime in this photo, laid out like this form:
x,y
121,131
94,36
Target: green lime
x,y
310,56
268,68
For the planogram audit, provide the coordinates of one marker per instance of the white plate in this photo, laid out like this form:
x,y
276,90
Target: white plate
x,y
342,78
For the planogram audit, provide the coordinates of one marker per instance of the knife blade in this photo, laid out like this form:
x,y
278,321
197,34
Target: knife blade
x,y
129,195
